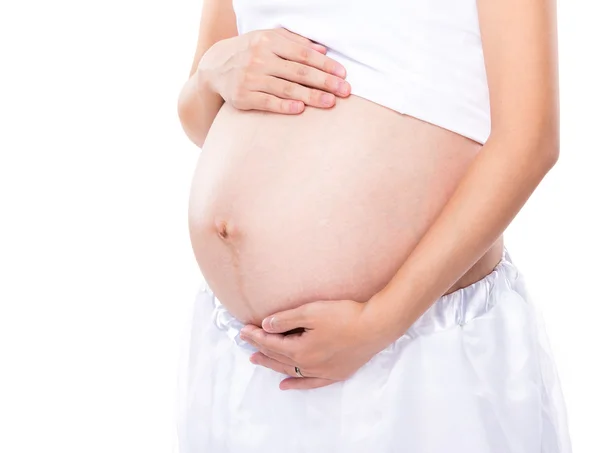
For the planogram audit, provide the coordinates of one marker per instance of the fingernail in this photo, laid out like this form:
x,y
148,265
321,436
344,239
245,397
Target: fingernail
x,y
343,87
327,99
339,71
295,107
319,47
269,323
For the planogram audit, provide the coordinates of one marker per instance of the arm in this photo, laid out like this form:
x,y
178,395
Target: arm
x,y
519,43
272,70
519,40
198,104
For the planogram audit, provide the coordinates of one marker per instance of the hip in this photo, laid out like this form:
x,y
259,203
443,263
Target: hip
x,y
474,374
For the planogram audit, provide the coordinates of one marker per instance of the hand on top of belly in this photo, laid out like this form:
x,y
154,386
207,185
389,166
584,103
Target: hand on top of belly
x,y
334,343
273,70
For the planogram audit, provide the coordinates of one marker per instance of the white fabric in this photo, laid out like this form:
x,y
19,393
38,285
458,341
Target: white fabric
x,y
474,374
423,58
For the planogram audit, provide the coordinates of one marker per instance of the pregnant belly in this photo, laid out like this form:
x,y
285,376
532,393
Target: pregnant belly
x,y
325,205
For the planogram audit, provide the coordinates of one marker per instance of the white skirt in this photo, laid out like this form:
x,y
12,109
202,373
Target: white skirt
x,y
474,374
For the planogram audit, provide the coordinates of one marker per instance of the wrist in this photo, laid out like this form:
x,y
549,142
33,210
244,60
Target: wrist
x,y
207,72
381,320
204,81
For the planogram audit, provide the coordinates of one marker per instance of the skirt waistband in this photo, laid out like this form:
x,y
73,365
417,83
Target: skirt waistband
x,y
456,308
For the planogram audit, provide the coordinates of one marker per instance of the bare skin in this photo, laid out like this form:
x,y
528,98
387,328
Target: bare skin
x,y
279,217
339,337
326,203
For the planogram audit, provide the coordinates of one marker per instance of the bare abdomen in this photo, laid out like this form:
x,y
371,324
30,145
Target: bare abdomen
x,y
286,210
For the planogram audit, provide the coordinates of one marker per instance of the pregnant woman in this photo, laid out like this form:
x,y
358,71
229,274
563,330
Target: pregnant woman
x,y
360,162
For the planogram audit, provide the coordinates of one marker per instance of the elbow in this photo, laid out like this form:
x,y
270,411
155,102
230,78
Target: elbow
x,y
185,114
540,147
544,138
543,153
549,148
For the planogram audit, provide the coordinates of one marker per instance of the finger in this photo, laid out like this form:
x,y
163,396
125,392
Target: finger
x,y
249,332
267,102
304,383
319,47
300,39
309,57
272,354
311,77
280,344
275,365
288,320
290,90
279,357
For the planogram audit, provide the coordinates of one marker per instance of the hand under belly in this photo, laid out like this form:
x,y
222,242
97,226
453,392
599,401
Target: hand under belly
x,y
326,205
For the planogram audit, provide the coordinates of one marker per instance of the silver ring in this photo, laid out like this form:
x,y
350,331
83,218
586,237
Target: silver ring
x,y
298,373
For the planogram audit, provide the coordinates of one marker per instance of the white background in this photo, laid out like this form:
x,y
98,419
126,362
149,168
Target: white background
x,y
96,270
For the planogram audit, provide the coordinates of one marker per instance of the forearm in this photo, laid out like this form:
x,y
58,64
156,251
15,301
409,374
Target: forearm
x,y
197,107
494,189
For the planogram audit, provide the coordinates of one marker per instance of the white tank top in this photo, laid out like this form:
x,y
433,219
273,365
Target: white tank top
x,y
419,57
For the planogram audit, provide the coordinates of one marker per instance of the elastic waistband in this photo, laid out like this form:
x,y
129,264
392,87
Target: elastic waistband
x,y
465,304
456,308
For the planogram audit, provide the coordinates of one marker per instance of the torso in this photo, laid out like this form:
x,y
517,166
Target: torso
x,y
324,205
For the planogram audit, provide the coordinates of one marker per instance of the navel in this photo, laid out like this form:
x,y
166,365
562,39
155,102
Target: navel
x,y
224,229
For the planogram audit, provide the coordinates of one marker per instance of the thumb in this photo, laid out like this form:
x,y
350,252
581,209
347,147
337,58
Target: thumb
x,y
285,320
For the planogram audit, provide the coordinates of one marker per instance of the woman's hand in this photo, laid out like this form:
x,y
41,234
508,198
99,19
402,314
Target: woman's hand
x,y
273,70
338,339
